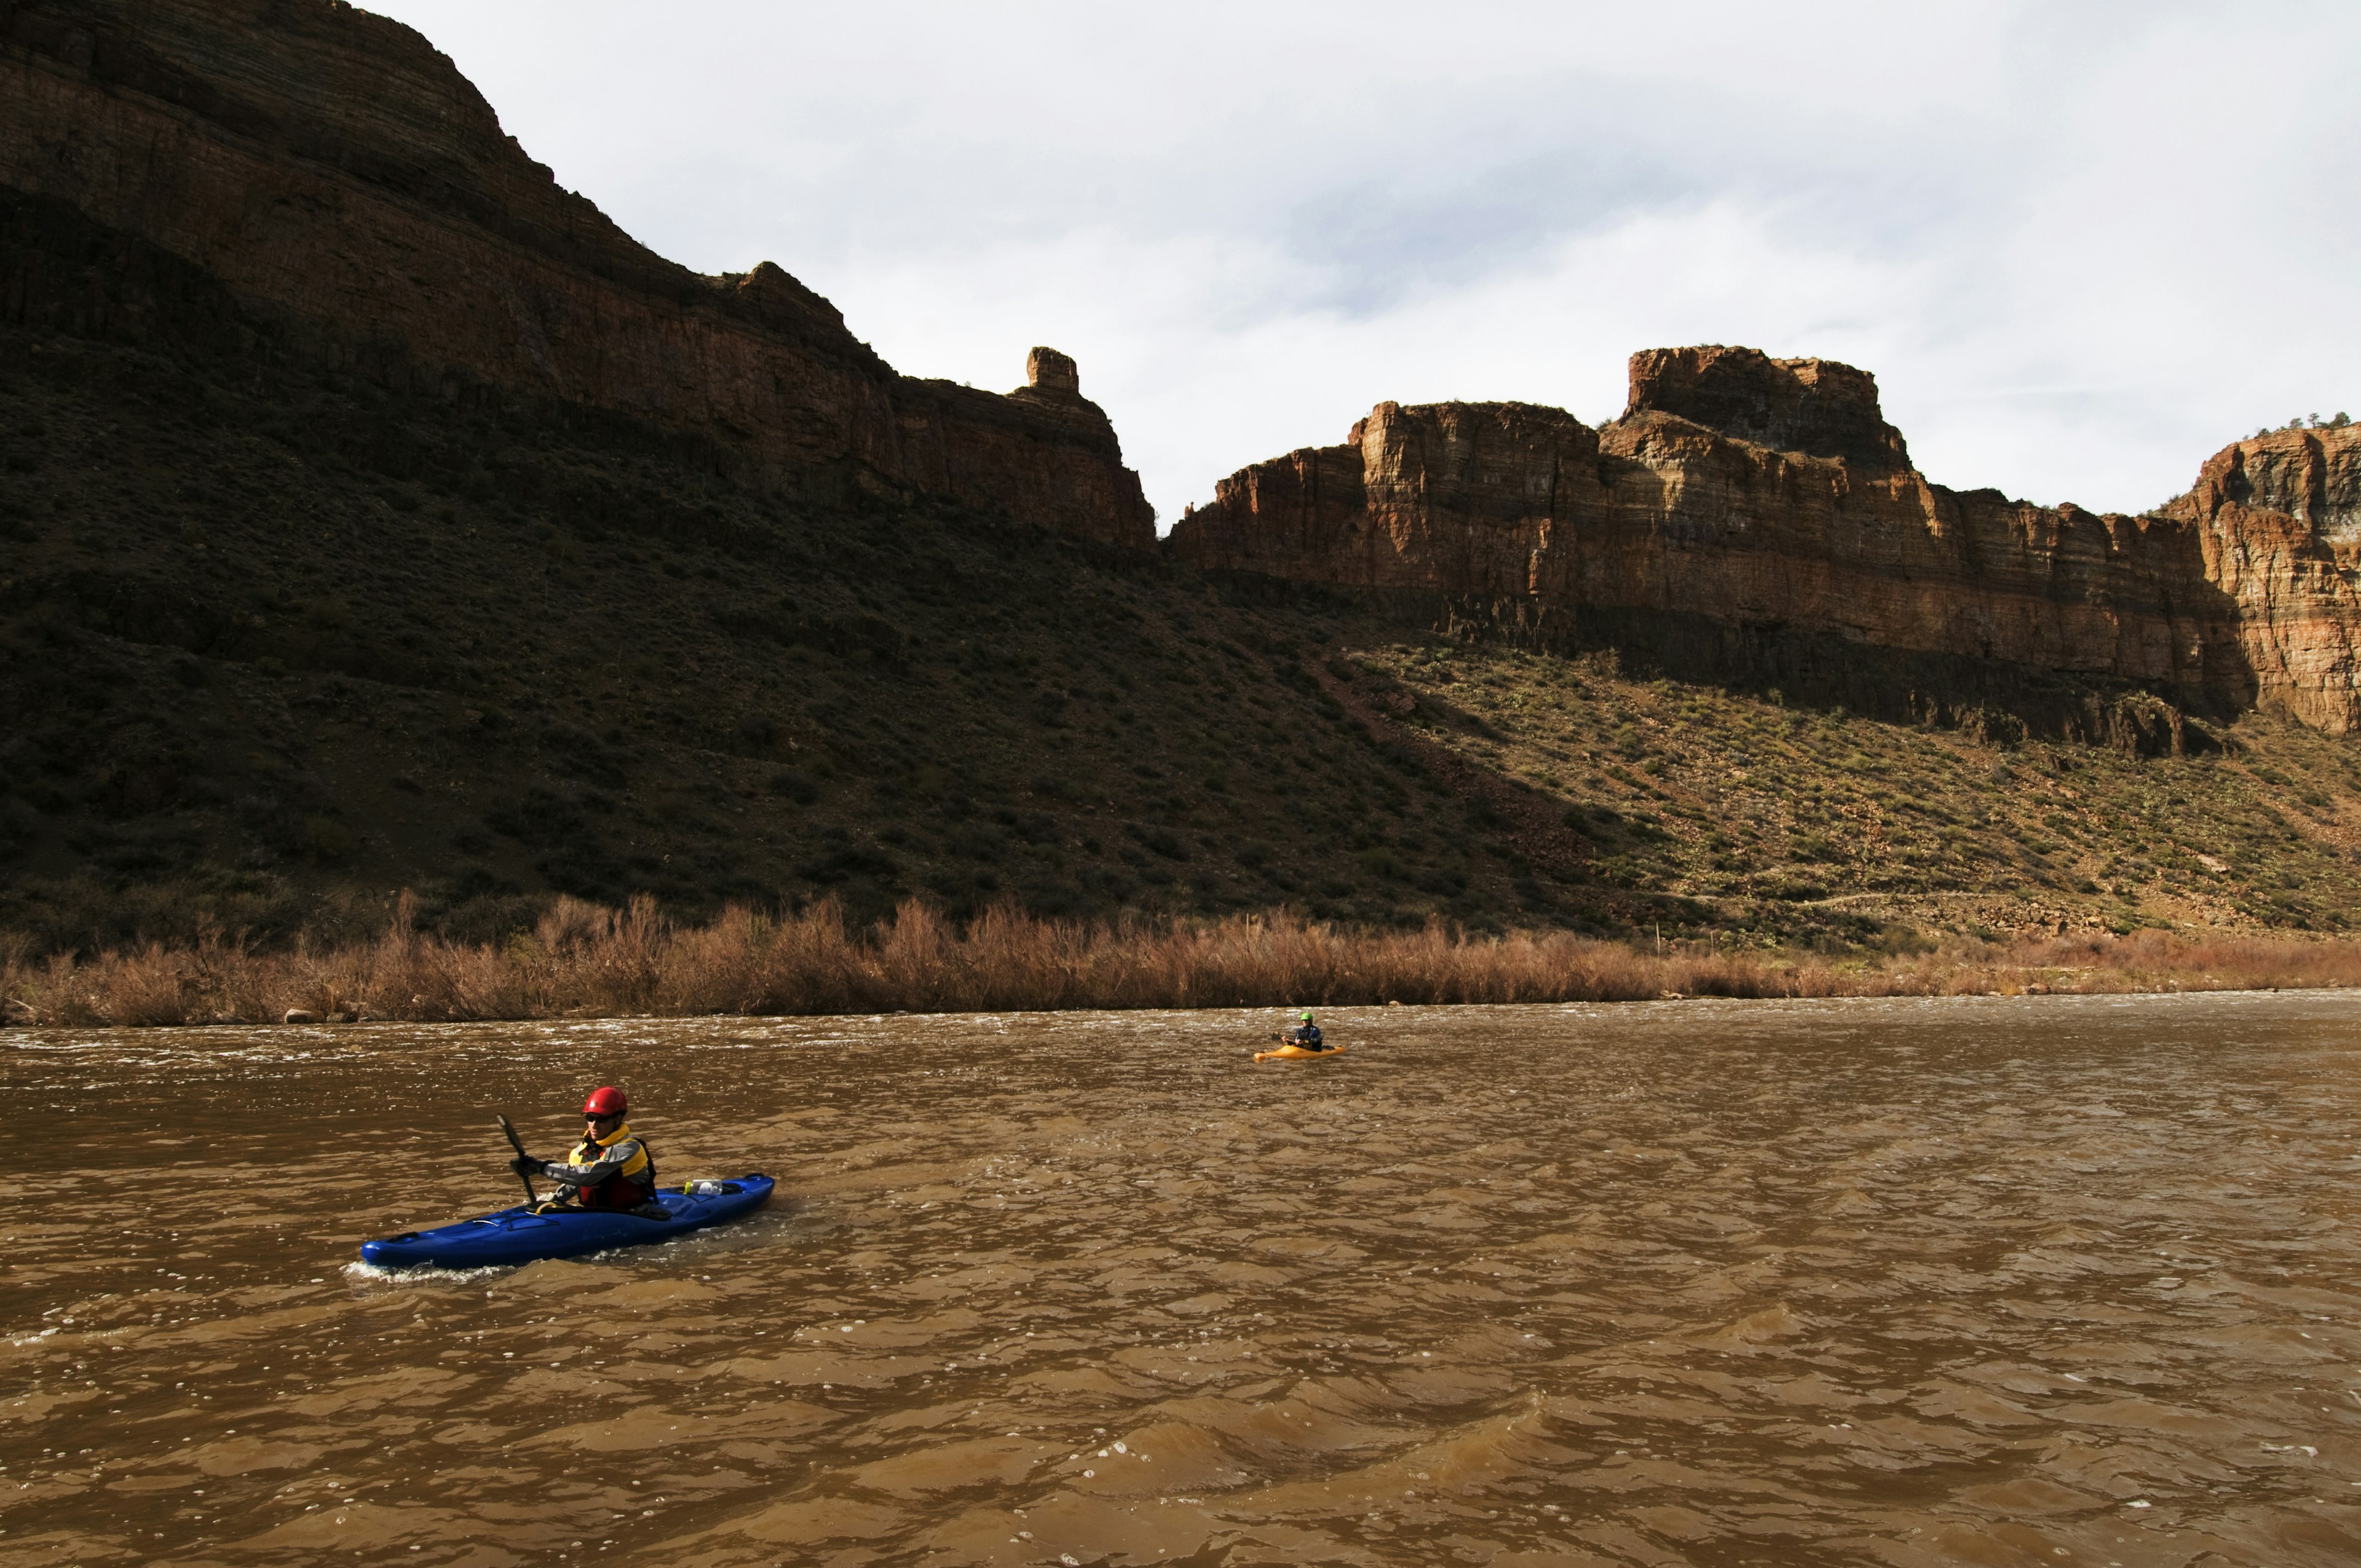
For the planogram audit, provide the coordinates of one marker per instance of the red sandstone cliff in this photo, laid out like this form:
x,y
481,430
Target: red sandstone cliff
x,y
342,179
1751,492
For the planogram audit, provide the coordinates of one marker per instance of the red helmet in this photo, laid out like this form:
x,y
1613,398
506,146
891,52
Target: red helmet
x,y
606,1102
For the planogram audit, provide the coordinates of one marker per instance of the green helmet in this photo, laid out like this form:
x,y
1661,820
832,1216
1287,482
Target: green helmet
x,y
1305,1017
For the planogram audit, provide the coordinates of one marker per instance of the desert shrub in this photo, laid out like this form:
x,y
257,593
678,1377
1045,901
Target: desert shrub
x,y
326,839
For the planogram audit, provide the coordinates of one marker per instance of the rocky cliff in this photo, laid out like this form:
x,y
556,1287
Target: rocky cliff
x,y
2277,522
357,197
1763,504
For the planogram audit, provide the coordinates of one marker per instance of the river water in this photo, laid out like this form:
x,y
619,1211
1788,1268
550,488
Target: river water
x,y
2054,1279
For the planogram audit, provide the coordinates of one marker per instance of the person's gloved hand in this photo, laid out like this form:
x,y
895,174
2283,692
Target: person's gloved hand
x,y
525,1165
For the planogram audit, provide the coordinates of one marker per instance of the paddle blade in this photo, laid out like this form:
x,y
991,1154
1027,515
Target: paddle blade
x,y
531,1197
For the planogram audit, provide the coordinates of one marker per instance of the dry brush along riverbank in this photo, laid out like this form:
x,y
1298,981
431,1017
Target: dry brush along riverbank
x,y
584,959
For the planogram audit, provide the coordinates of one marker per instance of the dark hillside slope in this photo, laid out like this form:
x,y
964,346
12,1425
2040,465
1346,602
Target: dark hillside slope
x,y
277,641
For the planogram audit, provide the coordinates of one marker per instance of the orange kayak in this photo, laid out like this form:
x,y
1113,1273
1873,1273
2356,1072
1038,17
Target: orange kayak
x,y
1297,1053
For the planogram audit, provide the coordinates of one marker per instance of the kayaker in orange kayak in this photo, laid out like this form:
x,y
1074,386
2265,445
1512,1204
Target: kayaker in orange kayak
x,y
1306,1034
1302,1041
609,1169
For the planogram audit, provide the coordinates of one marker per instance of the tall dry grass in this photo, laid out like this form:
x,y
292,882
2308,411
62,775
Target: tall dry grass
x,y
582,960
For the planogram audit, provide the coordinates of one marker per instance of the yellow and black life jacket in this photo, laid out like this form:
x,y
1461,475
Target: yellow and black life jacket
x,y
629,1187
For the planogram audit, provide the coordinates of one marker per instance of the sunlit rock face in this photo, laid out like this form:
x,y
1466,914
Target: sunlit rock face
x,y
1764,497
352,189
1817,407
2277,519
1458,497
1053,374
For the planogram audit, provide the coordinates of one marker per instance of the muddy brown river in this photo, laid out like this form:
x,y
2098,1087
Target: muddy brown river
x,y
2038,1281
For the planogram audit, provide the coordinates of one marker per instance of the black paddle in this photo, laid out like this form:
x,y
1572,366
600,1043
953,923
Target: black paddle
x,y
531,1198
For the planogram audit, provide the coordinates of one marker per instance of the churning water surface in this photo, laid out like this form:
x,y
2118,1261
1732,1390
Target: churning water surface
x,y
2046,1280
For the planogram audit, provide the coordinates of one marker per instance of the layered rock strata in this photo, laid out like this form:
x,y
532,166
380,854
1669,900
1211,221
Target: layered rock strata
x,y
345,184
2277,523
1760,503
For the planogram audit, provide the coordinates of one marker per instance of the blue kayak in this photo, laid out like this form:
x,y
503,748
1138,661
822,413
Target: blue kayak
x,y
520,1236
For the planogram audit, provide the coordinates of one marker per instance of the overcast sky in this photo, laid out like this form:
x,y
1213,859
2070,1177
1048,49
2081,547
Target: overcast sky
x,y
2082,247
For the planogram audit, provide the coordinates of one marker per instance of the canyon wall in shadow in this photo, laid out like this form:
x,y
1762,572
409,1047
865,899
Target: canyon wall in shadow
x,y
356,196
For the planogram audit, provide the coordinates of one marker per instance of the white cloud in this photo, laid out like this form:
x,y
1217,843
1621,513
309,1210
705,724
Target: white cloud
x,y
2082,246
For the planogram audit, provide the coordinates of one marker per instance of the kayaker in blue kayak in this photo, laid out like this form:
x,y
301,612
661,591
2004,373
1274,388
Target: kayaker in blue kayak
x,y
609,1169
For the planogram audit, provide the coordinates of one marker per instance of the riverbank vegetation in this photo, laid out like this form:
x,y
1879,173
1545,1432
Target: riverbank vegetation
x,y
584,959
